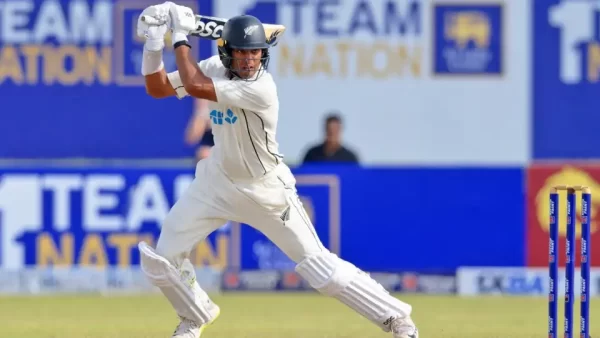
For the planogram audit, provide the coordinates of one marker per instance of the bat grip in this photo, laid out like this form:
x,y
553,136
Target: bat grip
x,y
152,21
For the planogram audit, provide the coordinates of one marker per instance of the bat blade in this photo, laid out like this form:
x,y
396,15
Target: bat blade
x,y
210,27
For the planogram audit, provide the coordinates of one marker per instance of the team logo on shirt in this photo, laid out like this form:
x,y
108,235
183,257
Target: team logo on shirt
x,y
219,118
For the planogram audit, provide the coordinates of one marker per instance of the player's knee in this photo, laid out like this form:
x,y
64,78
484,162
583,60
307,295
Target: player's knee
x,y
168,248
156,264
153,264
167,245
327,273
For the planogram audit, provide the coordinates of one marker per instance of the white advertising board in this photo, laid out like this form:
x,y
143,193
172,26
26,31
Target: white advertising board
x,y
417,81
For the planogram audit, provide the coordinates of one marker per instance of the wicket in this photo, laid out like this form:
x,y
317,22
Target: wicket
x,y
570,251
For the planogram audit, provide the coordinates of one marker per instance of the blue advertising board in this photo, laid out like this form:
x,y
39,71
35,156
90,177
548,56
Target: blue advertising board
x,y
390,220
430,218
71,83
566,77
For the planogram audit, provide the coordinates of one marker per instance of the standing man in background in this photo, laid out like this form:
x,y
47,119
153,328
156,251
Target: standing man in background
x,y
331,150
198,133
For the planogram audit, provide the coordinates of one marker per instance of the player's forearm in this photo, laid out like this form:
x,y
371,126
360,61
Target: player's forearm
x,y
187,70
194,81
158,85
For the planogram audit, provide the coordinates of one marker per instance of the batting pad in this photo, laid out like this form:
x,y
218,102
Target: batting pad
x,y
342,280
178,285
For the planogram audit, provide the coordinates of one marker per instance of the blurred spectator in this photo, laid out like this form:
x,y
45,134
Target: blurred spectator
x,y
331,150
198,132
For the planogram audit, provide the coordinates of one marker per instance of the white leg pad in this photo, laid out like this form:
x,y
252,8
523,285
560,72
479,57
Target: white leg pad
x,y
342,280
179,285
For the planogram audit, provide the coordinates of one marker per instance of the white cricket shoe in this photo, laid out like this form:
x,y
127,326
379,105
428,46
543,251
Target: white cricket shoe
x,y
190,329
187,329
404,328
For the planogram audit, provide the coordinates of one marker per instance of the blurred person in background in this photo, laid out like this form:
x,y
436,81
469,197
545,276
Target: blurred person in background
x,y
199,132
331,150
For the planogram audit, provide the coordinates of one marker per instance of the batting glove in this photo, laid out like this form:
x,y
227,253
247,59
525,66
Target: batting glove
x,y
152,25
183,21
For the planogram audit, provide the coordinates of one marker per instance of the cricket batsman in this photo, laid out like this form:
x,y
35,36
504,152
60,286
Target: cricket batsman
x,y
244,179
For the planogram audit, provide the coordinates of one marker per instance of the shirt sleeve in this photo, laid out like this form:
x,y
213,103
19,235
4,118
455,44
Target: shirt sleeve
x,y
256,95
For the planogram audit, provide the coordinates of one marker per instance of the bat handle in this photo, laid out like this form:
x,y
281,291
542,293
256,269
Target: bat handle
x,y
152,20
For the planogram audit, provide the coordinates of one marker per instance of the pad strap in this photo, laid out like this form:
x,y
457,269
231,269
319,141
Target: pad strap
x,y
176,83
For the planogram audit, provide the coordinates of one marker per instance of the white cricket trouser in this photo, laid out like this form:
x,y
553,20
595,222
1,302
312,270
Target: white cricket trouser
x,y
213,198
271,205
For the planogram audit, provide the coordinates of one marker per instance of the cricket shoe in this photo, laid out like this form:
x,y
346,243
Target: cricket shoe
x,y
404,328
190,329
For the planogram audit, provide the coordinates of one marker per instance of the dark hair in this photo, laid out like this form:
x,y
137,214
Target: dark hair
x,y
333,117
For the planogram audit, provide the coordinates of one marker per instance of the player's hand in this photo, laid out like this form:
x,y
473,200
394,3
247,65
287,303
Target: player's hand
x,y
183,21
154,32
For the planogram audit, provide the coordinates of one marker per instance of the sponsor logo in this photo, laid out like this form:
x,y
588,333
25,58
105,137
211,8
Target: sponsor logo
x,y
579,47
519,281
468,39
209,28
73,43
251,280
345,39
540,180
92,219
218,118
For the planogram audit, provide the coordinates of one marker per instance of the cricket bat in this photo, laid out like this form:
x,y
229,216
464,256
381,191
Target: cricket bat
x,y
210,27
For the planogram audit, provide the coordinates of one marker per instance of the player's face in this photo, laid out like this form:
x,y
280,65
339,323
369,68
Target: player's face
x,y
246,62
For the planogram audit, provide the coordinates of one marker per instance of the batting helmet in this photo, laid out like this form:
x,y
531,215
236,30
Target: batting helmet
x,y
243,32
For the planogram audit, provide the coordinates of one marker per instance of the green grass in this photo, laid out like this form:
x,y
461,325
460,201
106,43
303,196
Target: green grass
x,y
255,315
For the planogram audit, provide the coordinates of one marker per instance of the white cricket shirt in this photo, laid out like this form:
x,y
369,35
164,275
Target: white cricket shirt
x,y
244,120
